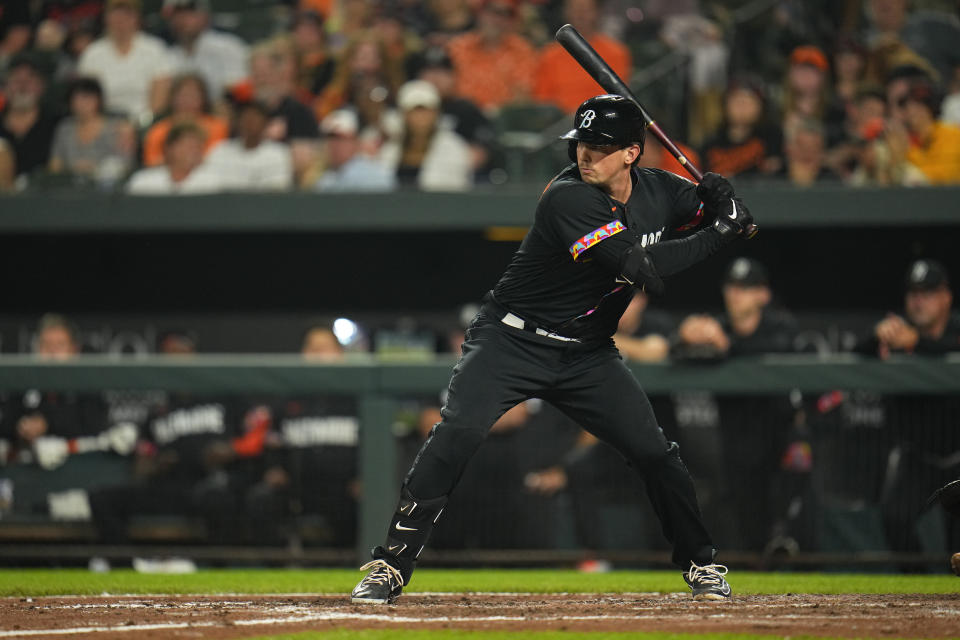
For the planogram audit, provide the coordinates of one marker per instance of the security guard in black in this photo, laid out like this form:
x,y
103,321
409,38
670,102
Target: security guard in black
x,y
545,332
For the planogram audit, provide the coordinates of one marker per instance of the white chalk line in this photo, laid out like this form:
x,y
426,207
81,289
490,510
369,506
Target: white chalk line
x,y
303,617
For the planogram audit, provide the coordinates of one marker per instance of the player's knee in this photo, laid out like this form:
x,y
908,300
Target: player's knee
x,y
457,436
651,458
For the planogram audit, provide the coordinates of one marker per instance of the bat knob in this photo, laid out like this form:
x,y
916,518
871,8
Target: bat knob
x,y
751,231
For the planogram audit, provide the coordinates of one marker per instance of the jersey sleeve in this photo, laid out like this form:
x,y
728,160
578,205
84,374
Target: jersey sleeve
x,y
581,219
687,210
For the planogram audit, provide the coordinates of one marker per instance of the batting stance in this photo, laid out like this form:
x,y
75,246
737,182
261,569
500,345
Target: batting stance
x,y
545,331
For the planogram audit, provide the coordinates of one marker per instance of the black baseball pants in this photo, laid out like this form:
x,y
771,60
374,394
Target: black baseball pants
x,y
502,366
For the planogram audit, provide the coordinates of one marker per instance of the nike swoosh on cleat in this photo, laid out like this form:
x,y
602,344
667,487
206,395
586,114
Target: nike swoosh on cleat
x,y
400,527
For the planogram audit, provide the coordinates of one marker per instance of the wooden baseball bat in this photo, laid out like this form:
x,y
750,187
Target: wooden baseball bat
x,y
577,46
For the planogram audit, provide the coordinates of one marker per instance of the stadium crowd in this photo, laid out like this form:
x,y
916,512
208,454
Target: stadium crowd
x,y
202,96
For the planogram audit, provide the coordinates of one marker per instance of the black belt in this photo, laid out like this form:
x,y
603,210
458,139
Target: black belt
x,y
511,319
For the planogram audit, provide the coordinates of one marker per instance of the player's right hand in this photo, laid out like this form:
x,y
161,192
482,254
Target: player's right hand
x,y
714,191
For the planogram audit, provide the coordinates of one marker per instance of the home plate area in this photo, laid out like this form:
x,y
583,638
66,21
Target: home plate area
x,y
129,617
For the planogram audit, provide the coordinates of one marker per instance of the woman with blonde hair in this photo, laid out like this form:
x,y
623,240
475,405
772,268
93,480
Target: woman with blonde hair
x,y
366,77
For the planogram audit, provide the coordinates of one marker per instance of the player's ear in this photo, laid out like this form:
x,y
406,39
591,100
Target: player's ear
x,y
632,153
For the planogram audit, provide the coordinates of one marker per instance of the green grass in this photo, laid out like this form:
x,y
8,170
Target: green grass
x,y
45,582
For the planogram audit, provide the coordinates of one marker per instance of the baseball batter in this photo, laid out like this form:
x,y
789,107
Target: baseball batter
x,y
546,331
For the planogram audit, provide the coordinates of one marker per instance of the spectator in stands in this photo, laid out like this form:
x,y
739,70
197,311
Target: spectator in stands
x,y
15,32
927,326
757,432
63,44
447,19
23,122
427,154
864,120
559,79
805,154
348,20
934,146
400,42
189,102
310,466
273,81
133,67
930,34
348,166
882,159
701,41
805,95
642,334
248,161
221,58
950,109
366,78
494,65
90,143
459,114
8,166
315,65
183,171
849,66
897,85
747,144
48,44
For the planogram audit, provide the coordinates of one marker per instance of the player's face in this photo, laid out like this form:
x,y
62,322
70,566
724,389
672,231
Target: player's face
x,y
599,164
55,343
926,309
743,301
321,344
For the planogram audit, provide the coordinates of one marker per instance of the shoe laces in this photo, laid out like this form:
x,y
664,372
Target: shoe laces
x,y
707,574
382,572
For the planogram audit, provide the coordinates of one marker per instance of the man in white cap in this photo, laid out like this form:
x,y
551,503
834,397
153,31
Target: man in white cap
x,y
427,154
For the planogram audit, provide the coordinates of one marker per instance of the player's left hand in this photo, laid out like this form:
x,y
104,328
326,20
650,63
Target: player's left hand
x,y
642,272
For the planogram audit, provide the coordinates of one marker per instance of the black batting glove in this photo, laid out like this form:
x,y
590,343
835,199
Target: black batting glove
x,y
639,270
733,218
714,190
731,215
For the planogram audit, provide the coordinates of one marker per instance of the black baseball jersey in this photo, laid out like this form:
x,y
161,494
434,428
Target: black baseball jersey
x,y
566,275
948,342
774,334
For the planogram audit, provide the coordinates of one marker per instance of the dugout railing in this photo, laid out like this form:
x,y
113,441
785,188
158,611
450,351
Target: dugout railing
x,y
927,385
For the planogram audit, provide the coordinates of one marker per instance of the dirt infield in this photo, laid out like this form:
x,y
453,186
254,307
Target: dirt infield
x,y
138,617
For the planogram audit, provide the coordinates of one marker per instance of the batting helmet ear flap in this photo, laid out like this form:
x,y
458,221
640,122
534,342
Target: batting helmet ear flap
x,y
572,150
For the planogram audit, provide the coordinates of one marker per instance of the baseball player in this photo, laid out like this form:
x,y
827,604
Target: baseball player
x,y
545,331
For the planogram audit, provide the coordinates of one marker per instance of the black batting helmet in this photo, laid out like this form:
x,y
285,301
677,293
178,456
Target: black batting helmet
x,y
607,119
